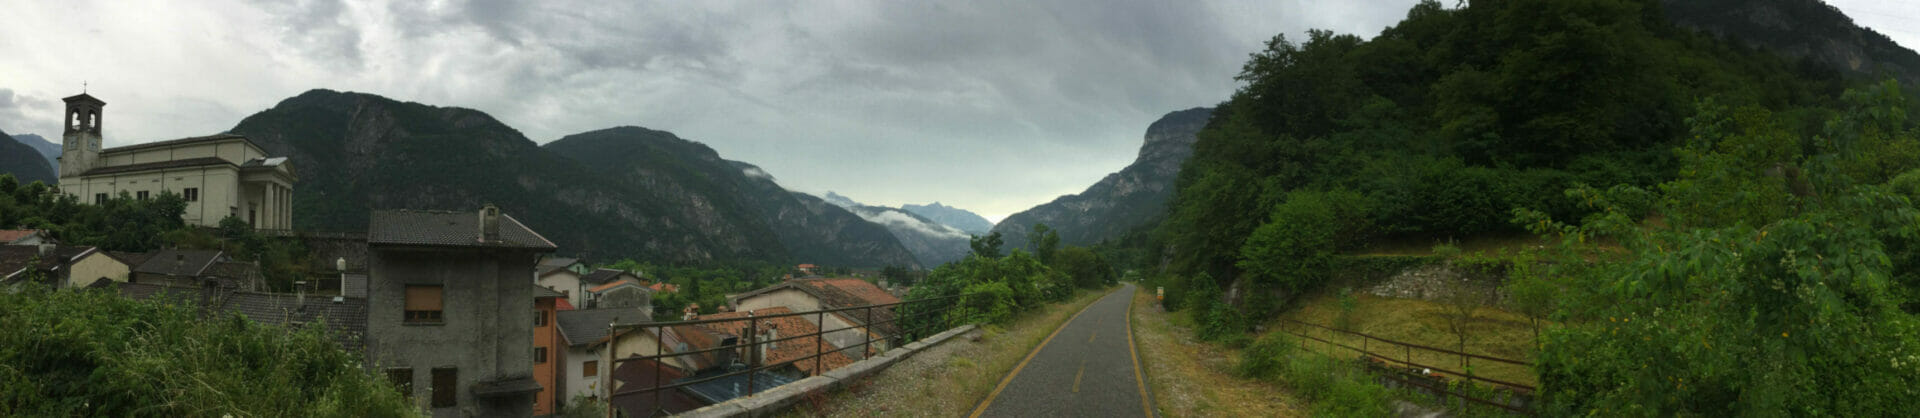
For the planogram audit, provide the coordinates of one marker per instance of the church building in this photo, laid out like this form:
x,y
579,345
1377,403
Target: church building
x,y
220,175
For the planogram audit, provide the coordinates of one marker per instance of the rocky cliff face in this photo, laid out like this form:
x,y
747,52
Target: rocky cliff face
x,y
1808,29
24,162
1122,201
357,152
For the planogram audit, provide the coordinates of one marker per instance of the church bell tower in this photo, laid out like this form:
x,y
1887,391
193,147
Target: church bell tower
x,y
82,135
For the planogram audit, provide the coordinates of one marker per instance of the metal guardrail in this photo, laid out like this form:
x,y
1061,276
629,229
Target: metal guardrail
x,y
748,344
1407,349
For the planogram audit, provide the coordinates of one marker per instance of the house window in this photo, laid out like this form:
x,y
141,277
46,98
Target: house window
x,y
402,379
590,369
539,355
192,194
99,198
446,382
539,318
423,305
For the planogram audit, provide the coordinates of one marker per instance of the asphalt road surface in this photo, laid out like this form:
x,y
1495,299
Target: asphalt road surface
x,y
1086,369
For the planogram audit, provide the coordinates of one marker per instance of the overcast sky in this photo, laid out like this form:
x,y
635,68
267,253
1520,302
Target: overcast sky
x,y
989,105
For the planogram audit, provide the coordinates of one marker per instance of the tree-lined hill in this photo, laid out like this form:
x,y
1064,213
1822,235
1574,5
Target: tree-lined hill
x,y
24,162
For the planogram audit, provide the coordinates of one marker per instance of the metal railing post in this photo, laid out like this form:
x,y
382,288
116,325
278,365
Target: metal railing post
x,y
753,350
866,341
659,346
818,340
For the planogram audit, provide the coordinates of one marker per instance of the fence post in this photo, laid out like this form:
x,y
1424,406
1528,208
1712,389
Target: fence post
x,y
821,319
659,347
866,341
753,350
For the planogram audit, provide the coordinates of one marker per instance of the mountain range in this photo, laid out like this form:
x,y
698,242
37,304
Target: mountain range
x,y
933,243
1134,196
20,157
48,149
609,194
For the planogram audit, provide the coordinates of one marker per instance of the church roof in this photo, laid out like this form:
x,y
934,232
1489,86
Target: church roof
x,y
83,97
181,141
190,162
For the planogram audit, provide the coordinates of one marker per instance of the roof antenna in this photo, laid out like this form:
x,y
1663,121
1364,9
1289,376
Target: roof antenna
x,y
83,86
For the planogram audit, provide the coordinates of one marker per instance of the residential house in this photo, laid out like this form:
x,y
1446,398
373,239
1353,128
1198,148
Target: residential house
x,y
24,237
601,277
562,275
781,339
549,351
195,268
447,308
345,318
845,329
622,293
53,265
584,332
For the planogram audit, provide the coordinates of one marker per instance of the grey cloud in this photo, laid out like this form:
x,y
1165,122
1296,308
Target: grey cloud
x,y
319,27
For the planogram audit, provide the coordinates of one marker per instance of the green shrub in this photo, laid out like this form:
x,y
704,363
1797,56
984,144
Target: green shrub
x,y
94,353
1265,359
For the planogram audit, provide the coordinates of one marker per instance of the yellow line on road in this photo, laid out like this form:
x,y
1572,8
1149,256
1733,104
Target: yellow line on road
x,y
1091,335
1023,363
1076,376
1137,380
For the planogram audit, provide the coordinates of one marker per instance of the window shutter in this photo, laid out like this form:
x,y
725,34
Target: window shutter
x,y
423,298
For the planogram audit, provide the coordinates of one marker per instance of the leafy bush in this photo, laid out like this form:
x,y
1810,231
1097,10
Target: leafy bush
x,y
93,353
1294,250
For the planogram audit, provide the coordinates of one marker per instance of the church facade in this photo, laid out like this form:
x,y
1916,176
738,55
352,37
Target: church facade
x,y
219,175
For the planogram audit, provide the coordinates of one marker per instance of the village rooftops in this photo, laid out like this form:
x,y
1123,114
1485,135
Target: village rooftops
x,y
10,236
785,327
554,264
600,276
15,260
840,293
345,317
181,263
583,327
451,229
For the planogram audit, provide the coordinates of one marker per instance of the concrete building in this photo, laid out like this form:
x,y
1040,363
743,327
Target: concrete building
x,y
549,351
448,317
219,176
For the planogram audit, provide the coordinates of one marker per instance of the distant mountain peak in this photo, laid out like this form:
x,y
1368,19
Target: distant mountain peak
x,y
840,200
1124,200
957,218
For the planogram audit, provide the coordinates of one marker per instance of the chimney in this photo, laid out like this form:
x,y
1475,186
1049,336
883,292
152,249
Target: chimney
x,y
773,333
300,293
341,264
489,223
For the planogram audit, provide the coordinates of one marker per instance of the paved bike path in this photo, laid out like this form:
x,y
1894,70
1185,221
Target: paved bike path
x,y
1086,369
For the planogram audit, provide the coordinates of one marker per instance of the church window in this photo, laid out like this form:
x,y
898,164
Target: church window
x,y
142,195
192,194
99,198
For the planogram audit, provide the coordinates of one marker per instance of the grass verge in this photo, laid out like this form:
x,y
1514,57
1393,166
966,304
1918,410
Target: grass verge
x,y
1491,332
1191,378
949,379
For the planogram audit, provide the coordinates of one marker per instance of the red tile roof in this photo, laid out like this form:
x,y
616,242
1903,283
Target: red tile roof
x,y
597,289
664,287
867,292
786,349
14,234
